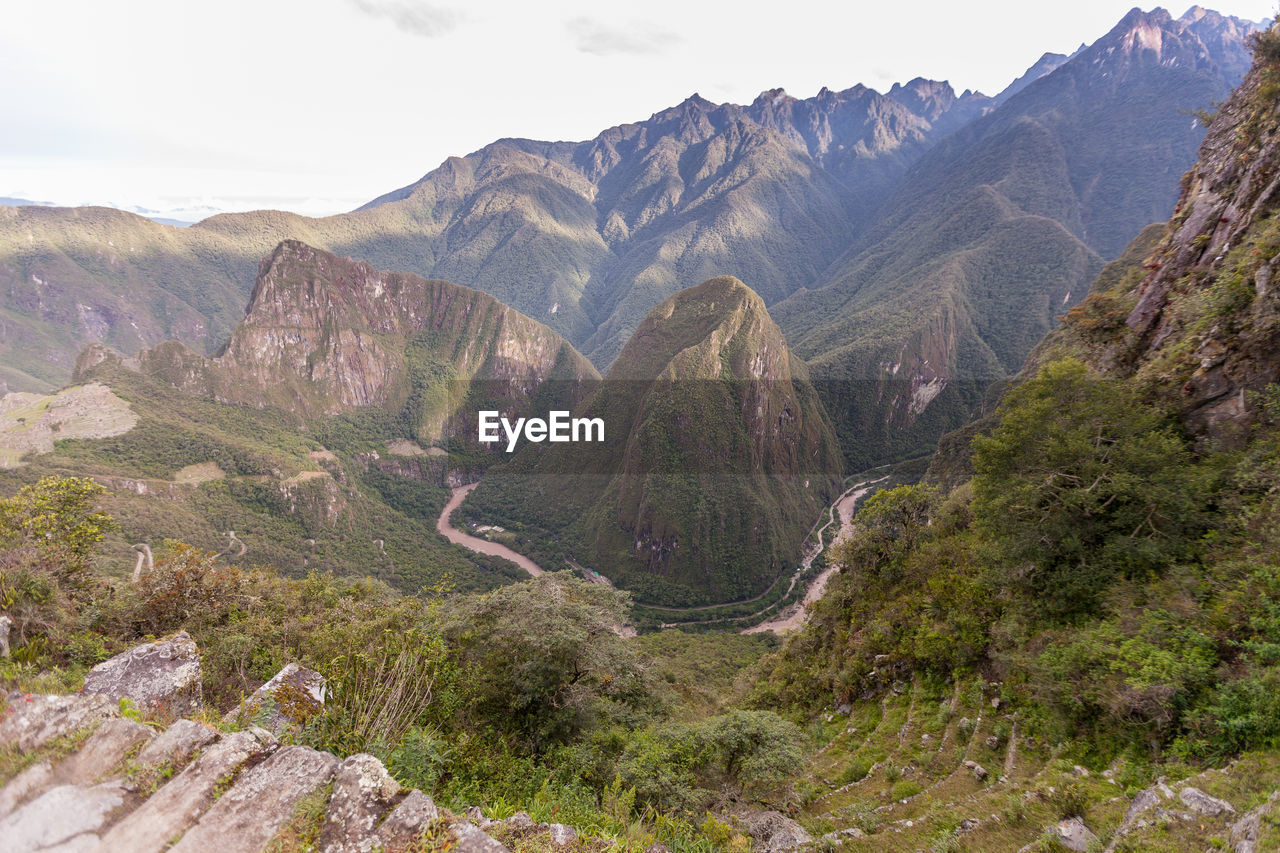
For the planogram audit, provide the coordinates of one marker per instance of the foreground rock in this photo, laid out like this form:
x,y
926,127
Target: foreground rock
x,y
260,803
415,813
31,720
171,810
1074,835
159,678
65,818
363,791
1201,803
1246,831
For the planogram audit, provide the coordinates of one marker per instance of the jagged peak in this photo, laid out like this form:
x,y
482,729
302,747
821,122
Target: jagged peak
x,y
773,97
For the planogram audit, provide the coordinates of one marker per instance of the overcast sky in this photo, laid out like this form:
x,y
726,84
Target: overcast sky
x,y
318,106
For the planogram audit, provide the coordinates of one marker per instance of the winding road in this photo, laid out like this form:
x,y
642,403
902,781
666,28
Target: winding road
x,y
475,543
841,512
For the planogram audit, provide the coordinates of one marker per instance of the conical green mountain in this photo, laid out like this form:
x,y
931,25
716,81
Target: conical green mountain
x,y
717,458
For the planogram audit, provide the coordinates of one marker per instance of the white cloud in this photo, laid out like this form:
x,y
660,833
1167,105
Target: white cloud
x,y
413,17
596,37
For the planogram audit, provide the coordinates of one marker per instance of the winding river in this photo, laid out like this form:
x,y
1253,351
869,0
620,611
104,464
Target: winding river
x,y
475,543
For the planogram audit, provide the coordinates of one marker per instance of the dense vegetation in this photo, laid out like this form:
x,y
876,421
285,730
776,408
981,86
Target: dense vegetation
x,y
194,469
527,697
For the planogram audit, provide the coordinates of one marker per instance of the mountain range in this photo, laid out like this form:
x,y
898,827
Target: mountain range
x,y
848,211
911,246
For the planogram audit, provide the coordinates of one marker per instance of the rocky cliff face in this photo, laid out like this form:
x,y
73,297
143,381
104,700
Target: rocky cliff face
x,y
323,335
1205,321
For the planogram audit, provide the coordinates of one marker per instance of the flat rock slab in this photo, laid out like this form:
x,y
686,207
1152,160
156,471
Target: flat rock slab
x,y
260,802
414,814
103,752
472,839
36,779
31,720
293,695
179,803
176,744
1200,802
363,791
59,815
161,677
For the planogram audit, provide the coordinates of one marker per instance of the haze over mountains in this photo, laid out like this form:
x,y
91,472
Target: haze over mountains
x,y
892,235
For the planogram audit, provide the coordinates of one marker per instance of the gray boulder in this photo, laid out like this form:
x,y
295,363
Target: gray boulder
x,y
362,792
6,624
159,678
176,744
28,720
61,815
470,838
775,833
1074,835
562,835
103,752
1245,831
414,814
1201,803
289,699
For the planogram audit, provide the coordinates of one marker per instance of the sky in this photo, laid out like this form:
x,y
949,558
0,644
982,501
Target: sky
x,y
318,106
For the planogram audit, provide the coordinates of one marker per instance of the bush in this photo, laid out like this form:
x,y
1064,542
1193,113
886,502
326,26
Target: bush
x,y
1082,483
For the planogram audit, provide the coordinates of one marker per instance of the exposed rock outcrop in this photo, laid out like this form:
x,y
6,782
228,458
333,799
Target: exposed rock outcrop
x,y
289,698
158,678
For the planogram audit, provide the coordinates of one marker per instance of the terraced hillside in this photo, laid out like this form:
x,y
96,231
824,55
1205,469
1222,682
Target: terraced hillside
x,y
931,767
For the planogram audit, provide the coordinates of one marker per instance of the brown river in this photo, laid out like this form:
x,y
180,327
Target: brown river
x,y
475,543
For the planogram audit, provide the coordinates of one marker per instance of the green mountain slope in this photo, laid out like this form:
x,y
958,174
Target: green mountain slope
x,y
716,461
1079,638
1001,226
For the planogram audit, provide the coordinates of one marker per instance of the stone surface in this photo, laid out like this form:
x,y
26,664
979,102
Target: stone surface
x,y
34,780
176,744
1074,835
775,833
1200,802
362,792
6,624
260,802
406,820
1246,831
180,802
472,839
159,678
31,720
562,835
103,752
292,695
59,815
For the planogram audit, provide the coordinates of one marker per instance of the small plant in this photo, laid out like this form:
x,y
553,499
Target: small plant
x,y
1070,800
905,790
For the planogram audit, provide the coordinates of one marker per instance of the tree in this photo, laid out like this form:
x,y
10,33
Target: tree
x,y
59,516
541,659
1082,482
